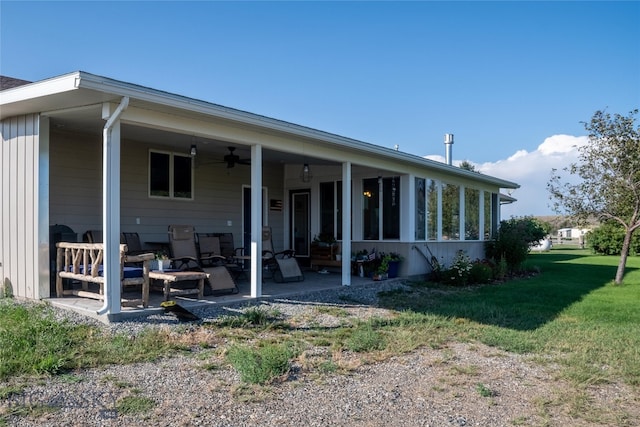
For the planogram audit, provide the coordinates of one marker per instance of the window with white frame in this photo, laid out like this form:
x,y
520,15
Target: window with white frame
x,y
432,187
450,211
471,214
331,208
420,206
488,215
381,208
170,175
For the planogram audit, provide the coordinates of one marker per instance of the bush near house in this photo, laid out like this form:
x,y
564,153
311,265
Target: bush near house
x,y
513,240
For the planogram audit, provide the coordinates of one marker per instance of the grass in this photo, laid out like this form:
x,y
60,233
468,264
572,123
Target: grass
x,y
33,342
261,365
134,405
570,314
571,310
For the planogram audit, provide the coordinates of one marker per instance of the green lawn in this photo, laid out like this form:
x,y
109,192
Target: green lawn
x,y
571,311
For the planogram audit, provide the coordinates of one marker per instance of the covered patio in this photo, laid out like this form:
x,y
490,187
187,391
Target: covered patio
x,y
93,153
313,282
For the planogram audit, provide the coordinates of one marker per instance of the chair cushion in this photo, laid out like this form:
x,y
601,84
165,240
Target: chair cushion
x,y
128,272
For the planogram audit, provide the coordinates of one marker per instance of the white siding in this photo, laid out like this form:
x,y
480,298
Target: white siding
x,y
19,201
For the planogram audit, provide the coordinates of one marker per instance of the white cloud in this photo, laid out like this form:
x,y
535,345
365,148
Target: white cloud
x,y
532,170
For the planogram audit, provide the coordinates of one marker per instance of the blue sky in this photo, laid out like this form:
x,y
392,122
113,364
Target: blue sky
x,y
512,80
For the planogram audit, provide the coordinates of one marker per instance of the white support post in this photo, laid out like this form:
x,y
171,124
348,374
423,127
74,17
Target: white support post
x,y
346,224
463,213
481,216
256,221
407,208
111,208
439,218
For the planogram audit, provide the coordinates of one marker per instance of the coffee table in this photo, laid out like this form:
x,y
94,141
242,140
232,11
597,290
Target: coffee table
x,y
170,277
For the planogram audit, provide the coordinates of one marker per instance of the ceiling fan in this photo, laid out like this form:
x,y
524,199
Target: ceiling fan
x,y
232,159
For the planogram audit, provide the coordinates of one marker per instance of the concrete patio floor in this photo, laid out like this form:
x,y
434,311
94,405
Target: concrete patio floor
x,y
313,281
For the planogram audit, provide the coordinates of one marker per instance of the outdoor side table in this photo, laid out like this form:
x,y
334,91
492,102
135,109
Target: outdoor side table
x,y
170,277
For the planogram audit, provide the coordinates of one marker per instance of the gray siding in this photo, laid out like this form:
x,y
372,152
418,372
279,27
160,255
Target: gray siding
x,y
19,206
76,192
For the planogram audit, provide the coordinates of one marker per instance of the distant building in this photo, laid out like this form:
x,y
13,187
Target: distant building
x,y
572,233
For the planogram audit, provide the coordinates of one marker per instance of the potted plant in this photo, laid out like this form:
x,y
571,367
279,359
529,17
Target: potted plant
x,y
382,269
161,262
394,264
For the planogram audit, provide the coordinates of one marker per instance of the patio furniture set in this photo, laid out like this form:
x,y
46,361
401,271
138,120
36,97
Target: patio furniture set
x,y
200,264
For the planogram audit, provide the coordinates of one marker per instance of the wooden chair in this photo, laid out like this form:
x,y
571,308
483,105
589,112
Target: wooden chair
x,y
82,262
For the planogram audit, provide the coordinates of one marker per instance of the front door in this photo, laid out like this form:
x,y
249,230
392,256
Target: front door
x,y
300,222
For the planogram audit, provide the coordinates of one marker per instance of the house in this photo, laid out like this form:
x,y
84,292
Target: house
x,y
90,152
572,233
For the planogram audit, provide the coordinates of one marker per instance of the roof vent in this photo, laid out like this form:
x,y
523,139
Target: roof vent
x,y
448,142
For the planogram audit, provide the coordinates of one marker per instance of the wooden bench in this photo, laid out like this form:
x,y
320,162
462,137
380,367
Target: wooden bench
x,y
83,262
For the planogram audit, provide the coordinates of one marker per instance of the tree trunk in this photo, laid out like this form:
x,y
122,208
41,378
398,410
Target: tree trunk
x,y
623,256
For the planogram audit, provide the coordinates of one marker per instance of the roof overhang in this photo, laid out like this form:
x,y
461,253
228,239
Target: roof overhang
x,y
79,90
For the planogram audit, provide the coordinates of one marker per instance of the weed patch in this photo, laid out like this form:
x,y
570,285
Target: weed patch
x,y
134,405
261,365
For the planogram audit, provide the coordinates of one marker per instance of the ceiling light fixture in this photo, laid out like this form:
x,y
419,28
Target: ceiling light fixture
x,y
305,173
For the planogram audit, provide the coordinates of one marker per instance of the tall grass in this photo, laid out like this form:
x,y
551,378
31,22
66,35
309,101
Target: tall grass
x,y
33,342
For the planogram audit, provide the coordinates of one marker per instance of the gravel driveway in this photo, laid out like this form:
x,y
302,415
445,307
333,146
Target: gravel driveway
x,y
460,384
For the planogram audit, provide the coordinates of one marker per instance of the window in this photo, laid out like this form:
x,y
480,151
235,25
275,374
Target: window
x,y
391,208
421,203
432,209
331,209
450,212
370,209
488,216
471,214
170,175
377,191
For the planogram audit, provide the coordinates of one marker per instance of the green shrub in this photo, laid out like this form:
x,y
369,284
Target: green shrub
x,y
481,272
607,239
513,240
263,364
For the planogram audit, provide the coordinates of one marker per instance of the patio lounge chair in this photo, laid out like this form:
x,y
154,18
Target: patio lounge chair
x,y
185,257
210,245
283,265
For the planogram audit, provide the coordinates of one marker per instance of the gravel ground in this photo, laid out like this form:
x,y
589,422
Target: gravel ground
x,y
459,385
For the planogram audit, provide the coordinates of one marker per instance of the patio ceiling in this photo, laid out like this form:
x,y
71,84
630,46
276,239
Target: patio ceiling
x,y
88,121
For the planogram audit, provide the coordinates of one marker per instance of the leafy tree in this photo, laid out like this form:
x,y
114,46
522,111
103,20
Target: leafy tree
x,y
609,168
468,166
514,240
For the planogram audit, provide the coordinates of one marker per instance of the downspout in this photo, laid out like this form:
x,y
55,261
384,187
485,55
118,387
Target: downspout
x,y
109,250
